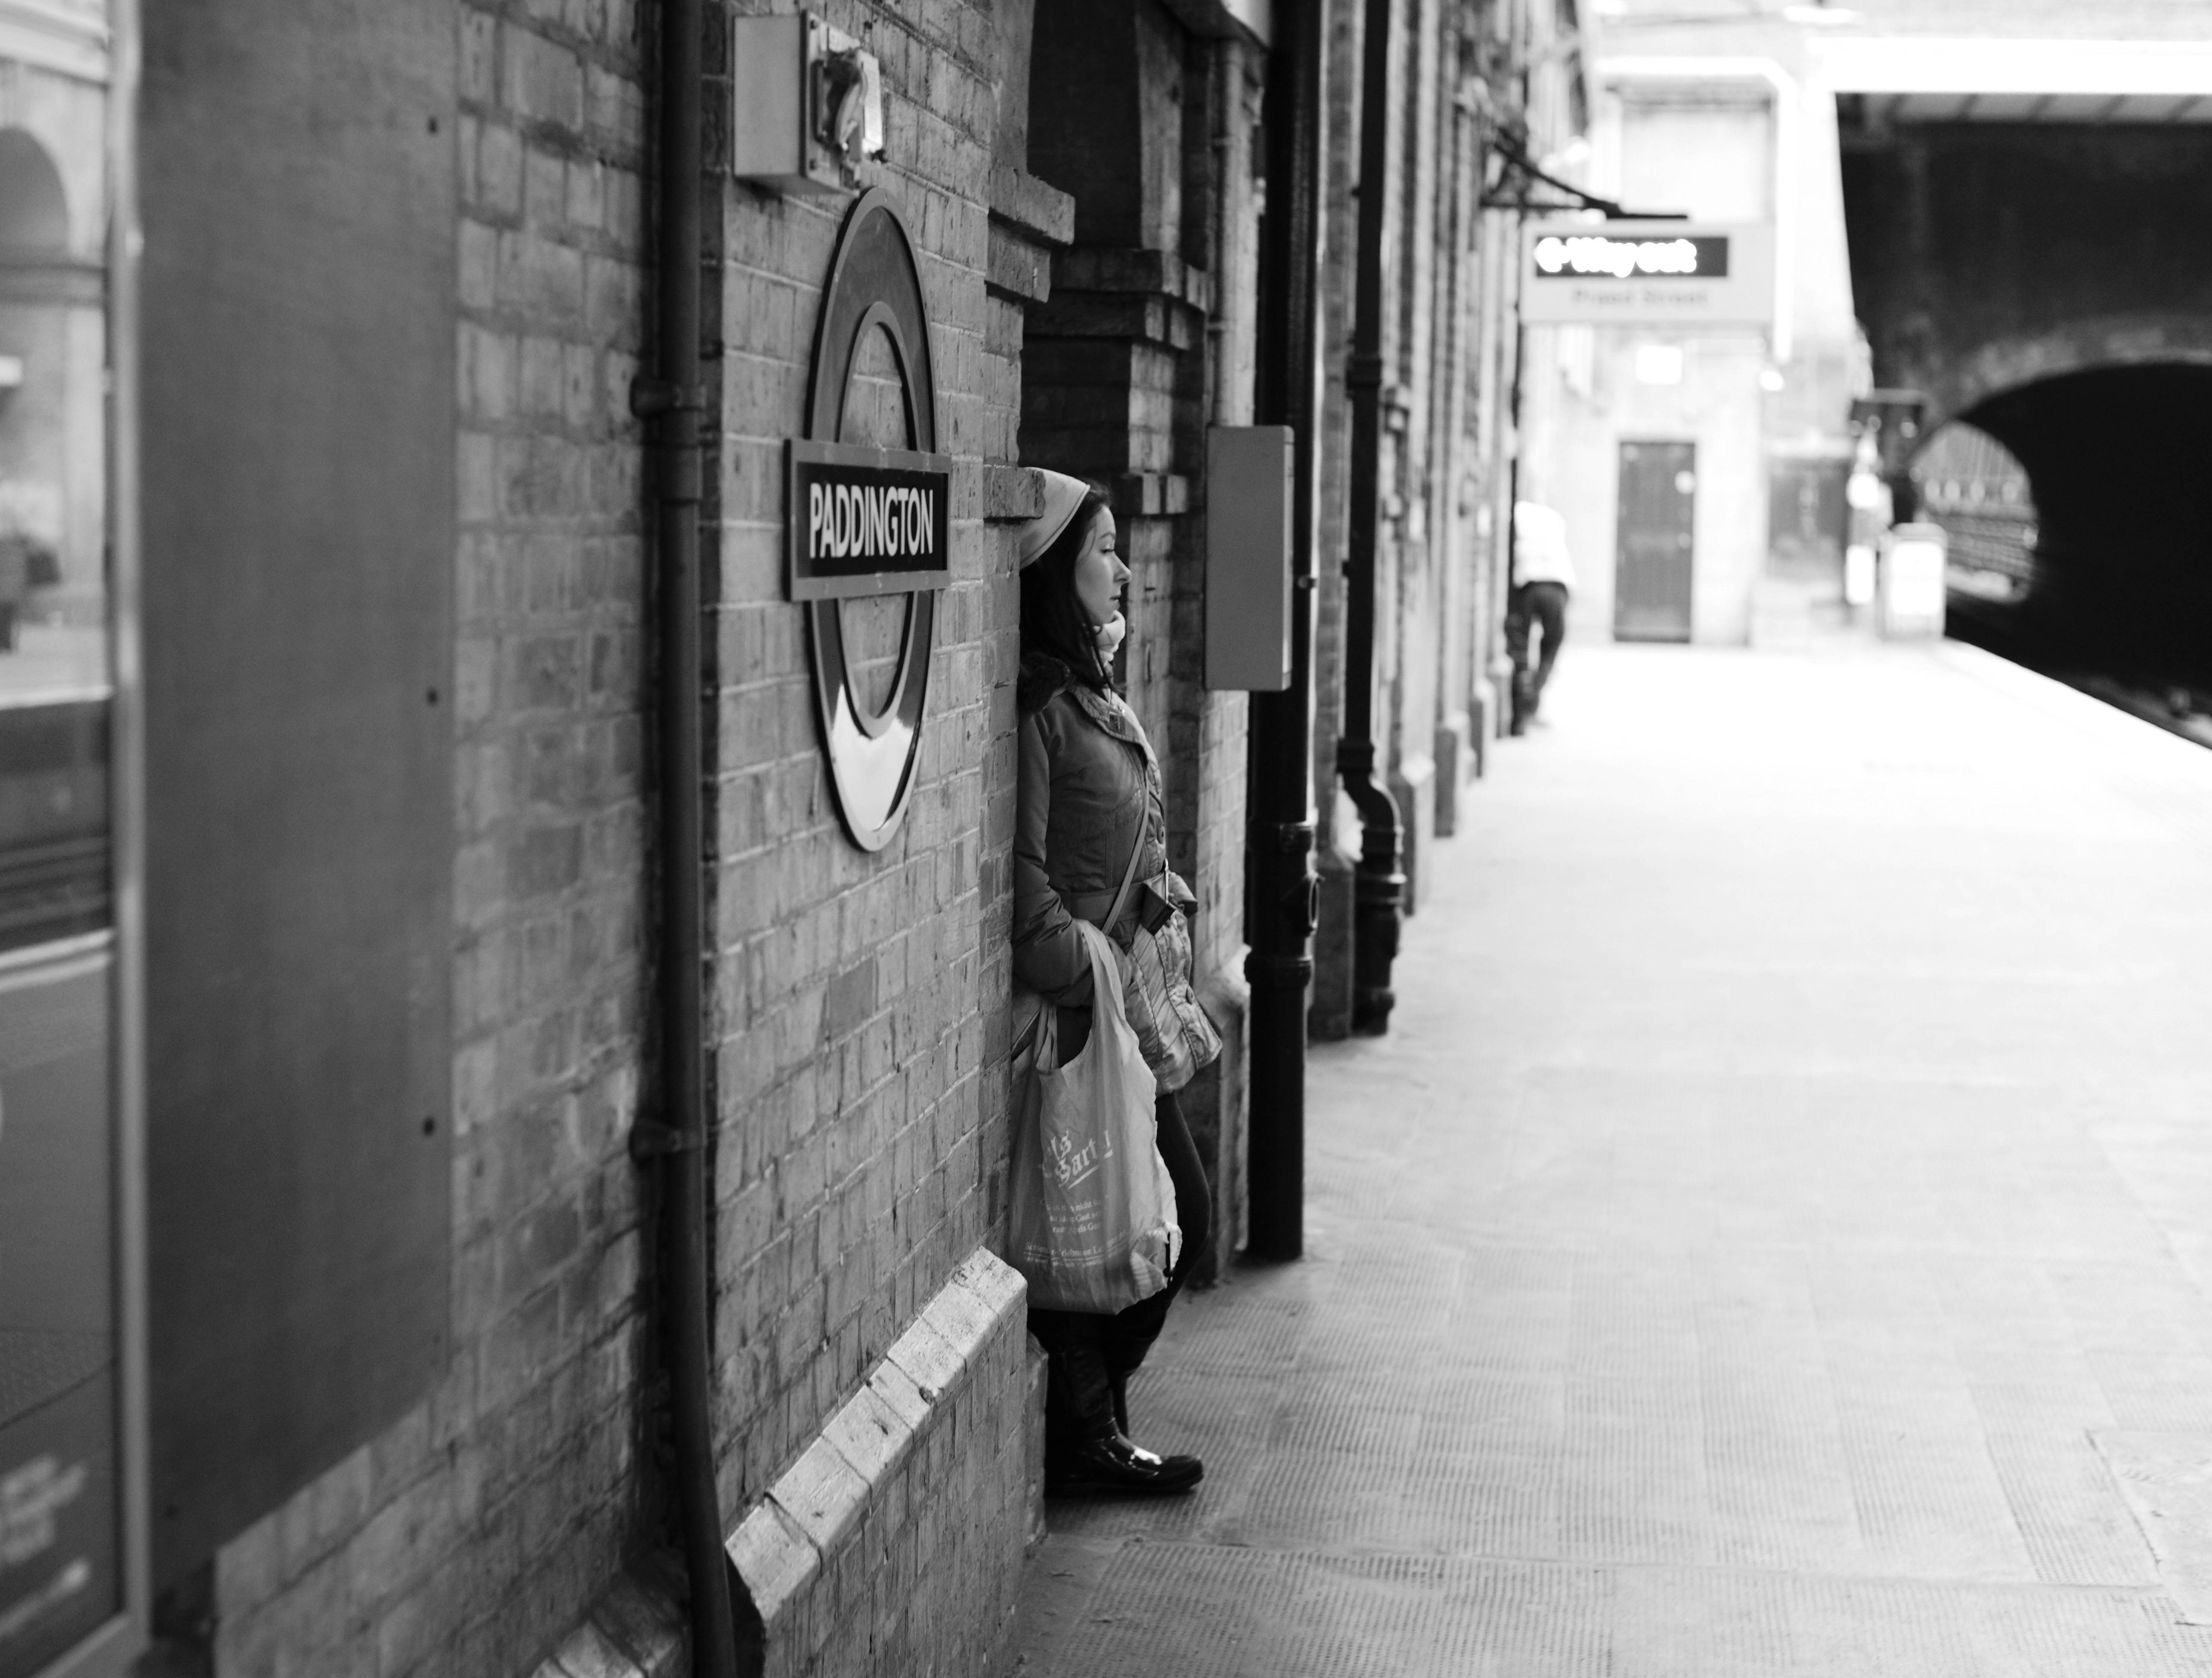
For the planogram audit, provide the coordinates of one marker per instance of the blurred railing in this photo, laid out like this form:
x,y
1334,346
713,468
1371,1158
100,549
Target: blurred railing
x,y
1972,485
1994,541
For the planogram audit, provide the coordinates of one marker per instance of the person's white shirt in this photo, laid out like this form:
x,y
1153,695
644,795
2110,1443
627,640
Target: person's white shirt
x,y
1539,546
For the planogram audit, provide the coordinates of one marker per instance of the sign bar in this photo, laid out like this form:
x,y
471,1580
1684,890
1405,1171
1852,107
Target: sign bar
x,y
863,520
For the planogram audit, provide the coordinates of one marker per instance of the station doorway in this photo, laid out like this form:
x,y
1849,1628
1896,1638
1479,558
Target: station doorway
x,y
1653,541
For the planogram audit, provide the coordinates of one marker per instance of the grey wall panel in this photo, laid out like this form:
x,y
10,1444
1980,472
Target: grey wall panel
x,y
298,327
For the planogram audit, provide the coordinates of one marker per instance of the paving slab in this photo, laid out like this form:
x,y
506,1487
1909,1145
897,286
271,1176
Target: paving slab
x,y
1774,1237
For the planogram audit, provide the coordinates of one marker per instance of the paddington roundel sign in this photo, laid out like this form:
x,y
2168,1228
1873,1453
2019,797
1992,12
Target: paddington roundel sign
x,y
861,521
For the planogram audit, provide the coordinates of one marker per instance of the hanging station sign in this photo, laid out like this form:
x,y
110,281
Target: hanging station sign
x,y
863,522
1647,274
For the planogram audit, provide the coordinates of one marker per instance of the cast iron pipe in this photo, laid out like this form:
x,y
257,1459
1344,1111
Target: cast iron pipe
x,y
673,400
1379,883
1281,889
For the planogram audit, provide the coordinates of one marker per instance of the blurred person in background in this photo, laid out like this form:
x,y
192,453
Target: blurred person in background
x,y
1543,573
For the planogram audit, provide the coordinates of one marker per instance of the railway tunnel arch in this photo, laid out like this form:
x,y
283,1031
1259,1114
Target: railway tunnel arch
x,y
2050,283
2118,459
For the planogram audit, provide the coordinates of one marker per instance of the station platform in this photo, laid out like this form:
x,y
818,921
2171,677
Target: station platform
x,y
1774,1241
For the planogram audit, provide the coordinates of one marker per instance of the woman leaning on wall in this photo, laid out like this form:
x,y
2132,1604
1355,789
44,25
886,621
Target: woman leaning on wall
x,y
1091,844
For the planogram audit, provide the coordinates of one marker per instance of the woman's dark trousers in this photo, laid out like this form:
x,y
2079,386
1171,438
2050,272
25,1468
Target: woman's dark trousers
x,y
1089,1356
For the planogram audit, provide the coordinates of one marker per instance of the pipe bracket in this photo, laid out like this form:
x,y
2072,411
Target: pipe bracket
x,y
1266,972
651,1140
1280,838
650,398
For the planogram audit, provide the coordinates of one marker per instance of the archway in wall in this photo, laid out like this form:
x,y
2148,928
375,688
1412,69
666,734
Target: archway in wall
x,y
2115,459
33,209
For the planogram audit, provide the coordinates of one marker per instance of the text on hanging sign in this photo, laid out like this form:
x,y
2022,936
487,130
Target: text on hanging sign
x,y
864,520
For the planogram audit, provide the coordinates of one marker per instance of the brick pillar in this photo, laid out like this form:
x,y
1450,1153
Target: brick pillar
x,y
1120,379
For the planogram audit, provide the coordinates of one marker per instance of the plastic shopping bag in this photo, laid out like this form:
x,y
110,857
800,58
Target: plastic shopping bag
x,y
1093,1213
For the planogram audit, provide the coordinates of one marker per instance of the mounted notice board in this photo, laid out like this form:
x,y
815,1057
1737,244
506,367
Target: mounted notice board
x,y
298,332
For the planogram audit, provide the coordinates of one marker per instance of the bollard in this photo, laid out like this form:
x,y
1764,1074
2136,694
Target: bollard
x,y
1912,582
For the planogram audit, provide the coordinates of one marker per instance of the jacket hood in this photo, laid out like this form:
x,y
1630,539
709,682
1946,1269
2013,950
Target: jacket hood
x,y
1042,676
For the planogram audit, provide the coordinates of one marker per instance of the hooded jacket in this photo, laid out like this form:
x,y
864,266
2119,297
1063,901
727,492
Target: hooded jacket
x,y
1089,789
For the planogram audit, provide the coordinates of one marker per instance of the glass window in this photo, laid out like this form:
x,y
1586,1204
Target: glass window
x,y
60,1580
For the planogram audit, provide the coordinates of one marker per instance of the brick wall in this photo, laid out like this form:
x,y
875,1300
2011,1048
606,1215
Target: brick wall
x,y
1454,485
1443,470
1146,340
1337,834
1417,546
861,1000
1232,76
463,1539
892,1545
1217,1104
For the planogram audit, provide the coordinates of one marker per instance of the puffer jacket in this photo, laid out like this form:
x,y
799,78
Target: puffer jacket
x,y
1089,789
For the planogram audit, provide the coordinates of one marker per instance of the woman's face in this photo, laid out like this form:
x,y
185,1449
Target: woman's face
x,y
1100,576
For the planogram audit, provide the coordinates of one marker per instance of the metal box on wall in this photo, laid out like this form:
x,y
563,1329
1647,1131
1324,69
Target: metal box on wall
x,y
1249,473
806,104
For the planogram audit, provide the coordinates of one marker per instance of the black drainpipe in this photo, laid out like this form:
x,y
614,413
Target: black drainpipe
x,y
673,400
1379,885
1279,843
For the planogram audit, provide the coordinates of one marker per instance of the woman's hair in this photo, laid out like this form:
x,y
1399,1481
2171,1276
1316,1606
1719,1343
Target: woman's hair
x,y
1054,622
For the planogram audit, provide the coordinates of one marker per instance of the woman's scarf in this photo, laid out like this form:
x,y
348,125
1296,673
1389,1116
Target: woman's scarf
x,y
1108,636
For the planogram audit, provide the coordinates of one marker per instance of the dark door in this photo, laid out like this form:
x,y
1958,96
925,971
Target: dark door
x,y
1651,579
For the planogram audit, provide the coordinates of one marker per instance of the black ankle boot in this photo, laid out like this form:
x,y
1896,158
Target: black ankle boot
x,y
1108,1465
1087,1452
1170,1467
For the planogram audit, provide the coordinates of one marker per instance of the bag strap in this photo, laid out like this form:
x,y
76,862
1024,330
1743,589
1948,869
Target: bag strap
x,y
1023,1042
1107,978
1128,874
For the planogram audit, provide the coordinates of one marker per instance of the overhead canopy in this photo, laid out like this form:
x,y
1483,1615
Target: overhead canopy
x,y
1933,78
